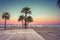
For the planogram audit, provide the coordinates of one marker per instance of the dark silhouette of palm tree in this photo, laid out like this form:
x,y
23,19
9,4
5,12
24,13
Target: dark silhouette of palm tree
x,y
21,18
58,3
26,10
29,19
6,16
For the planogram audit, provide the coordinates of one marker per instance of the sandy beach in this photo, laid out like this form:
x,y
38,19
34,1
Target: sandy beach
x,y
49,33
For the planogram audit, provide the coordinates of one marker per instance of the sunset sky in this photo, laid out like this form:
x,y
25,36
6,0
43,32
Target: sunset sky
x,y
43,11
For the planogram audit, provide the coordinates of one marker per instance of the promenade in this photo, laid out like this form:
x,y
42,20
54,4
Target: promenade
x,y
21,34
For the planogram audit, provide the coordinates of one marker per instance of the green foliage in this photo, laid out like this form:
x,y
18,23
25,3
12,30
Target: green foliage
x,y
29,19
6,15
21,17
26,18
26,10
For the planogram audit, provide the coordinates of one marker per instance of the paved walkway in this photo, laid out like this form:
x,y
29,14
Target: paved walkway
x,y
22,34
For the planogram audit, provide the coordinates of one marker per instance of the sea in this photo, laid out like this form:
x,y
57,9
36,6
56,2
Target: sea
x,y
31,25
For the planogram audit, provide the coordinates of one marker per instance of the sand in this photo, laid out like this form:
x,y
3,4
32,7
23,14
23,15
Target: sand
x,y
49,33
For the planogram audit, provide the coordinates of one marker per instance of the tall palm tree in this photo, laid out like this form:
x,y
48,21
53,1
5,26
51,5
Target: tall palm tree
x,y
58,3
6,16
21,18
26,10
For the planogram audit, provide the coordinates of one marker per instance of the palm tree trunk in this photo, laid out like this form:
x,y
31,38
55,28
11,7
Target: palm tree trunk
x,y
5,23
25,20
22,23
27,24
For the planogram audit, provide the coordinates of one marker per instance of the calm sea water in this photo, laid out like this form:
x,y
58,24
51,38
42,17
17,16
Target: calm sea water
x,y
32,25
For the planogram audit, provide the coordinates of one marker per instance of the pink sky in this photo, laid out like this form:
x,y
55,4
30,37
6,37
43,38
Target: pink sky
x,y
36,21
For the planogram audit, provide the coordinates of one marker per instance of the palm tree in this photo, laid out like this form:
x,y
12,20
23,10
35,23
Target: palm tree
x,y
29,19
26,10
21,18
6,16
58,3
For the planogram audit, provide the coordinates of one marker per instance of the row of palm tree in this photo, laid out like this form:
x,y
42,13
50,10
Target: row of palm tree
x,y
25,18
25,10
22,18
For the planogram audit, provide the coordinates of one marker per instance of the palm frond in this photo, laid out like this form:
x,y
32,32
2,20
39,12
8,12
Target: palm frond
x,y
58,3
2,16
29,12
29,19
25,10
6,15
21,17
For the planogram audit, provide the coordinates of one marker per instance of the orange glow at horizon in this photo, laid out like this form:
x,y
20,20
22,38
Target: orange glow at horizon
x,y
35,21
45,21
